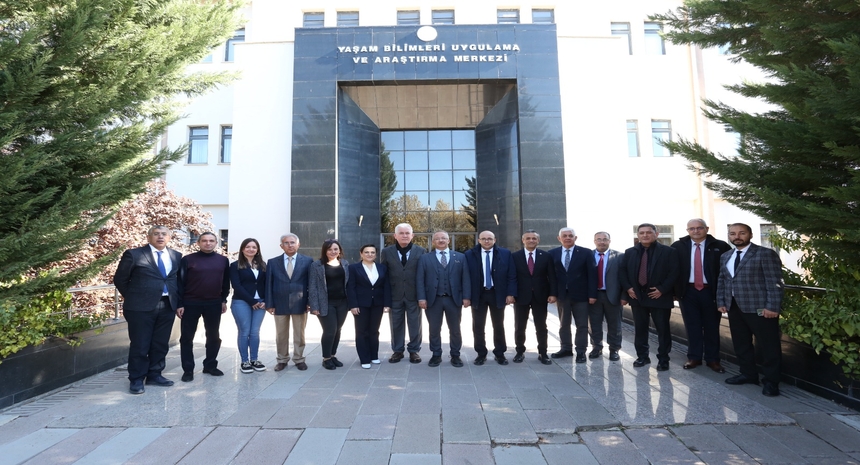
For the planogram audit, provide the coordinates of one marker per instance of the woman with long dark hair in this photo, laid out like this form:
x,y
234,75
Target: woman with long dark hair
x,y
327,298
248,277
369,296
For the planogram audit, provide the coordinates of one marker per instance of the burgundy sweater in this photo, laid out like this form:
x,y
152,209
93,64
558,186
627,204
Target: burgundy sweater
x,y
204,278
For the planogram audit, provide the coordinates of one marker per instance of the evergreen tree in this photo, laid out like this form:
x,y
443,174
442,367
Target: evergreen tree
x,y
799,163
86,89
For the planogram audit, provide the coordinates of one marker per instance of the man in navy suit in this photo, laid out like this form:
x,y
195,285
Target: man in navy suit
x,y
287,299
648,276
146,278
443,288
750,289
494,286
577,287
699,254
608,305
536,287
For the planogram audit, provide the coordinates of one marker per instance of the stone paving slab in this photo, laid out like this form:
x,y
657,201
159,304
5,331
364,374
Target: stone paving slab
x,y
507,422
74,447
518,455
123,446
318,446
566,454
268,447
658,445
467,454
220,446
835,432
417,434
364,452
758,444
172,447
612,447
32,444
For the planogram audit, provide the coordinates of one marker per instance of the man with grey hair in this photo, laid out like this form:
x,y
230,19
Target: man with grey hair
x,y
401,259
536,287
608,305
577,288
287,299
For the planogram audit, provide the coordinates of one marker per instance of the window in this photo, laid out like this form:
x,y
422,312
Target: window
x,y
737,141
543,16
224,234
654,44
198,145
632,138
226,143
623,30
768,230
661,130
314,19
347,18
508,16
665,234
443,16
408,18
207,59
229,50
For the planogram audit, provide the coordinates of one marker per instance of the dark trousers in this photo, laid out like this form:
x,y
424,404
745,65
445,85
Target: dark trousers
x,y
367,333
453,312
487,302
743,327
149,339
597,312
702,322
660,317
211,314
331,325
405,314
578,313
521,320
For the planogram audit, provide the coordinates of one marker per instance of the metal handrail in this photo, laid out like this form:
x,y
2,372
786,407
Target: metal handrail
x,y
116,302
805,288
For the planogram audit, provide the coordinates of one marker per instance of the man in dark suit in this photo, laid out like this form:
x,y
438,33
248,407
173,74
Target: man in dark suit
x,y
608,305
402,262
750,289
287,299
494,286
443,288
699,254
146,278
536,287
648,276
577,288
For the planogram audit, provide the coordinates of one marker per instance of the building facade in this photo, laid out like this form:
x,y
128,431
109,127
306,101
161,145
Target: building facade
x,y
349,117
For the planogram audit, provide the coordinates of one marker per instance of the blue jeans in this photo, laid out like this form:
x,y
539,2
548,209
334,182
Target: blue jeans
x,y
248,321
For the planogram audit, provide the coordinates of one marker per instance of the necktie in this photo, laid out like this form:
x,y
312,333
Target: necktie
x,y
643,268
566,259
290,267
162,269
600,266
444,259
403,258
488,278
737,263
531,264
698,277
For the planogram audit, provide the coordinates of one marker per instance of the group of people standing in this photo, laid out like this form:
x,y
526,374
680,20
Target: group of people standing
x,y
588,286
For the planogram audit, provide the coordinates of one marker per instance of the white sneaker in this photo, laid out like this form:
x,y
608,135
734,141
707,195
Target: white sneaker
x,y
375,362
365,365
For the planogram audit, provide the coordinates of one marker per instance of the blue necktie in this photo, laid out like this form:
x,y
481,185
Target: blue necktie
x,y
444,259
566,259
488,280
162,269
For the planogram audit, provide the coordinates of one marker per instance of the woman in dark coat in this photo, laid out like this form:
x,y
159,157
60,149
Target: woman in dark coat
x,y
369,296
327,298
248,277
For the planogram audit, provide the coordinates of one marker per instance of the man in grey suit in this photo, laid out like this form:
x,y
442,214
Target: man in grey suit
x,y
287,299
750,289
608,305
146,278
401,259
443,288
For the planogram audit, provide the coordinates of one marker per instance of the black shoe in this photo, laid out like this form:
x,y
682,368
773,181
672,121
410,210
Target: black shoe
x,y
257,366
613,356
641,362
662,366
328,364
455,360
136,387
480,360
336,362
395,357
187,376
580,357
562,354
770,389
213,371
159,381
518,358
501,360
595,353
741,379
414,357
435,361
246,367
544,359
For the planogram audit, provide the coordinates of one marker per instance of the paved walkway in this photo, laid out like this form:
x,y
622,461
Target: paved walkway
x,y
528,413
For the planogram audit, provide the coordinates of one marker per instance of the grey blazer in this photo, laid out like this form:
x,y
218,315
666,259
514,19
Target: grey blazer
x,y
288,296
317,290
613,259
402,278
426,280
757,284
139,280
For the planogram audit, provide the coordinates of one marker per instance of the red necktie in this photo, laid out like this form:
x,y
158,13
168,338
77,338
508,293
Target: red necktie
x,y
643,268
531,264
600,272
698,277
